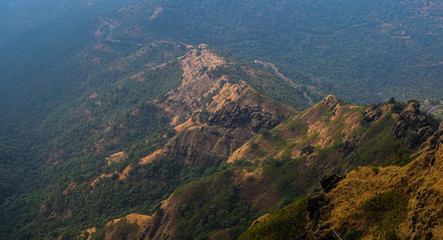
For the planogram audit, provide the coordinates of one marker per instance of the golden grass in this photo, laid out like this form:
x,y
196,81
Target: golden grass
x,y
421,183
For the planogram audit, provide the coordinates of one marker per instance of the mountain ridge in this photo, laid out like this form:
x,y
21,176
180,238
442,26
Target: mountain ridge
x,y
256,186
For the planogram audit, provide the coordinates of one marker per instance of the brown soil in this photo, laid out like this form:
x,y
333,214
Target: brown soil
x,y
152,157
116,157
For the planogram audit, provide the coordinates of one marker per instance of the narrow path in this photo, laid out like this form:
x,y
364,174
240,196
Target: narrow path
x,y
276,71
111,28
432,110
428,64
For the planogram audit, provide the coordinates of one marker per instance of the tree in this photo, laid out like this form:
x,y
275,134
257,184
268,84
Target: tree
x,y
308,150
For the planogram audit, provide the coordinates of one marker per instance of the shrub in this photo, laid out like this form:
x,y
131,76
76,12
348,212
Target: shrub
x,y
204,116
308,150
398,107
364,121
375,170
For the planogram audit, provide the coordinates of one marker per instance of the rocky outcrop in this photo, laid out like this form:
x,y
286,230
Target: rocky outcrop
x,y
417,189
321,124
377,111
247,114
228,129
425,180
236,112
331,102
196,86
412,125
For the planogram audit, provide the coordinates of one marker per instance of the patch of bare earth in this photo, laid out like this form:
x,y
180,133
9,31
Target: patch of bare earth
x,y
196,85
157,11
141,220
121,176
116,157
151,157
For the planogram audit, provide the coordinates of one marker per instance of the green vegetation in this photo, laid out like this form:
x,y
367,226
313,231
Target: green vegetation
x,y
308,150
297,127
319,40
398,107
401,158
72,142
13,153
275,138
379,144
375,170
110,198
290,178
212,204
203,116
387,210
286,223
255,149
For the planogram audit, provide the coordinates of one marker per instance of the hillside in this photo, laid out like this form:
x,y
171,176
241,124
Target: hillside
x,y
388,202
224,204
131,143
377,202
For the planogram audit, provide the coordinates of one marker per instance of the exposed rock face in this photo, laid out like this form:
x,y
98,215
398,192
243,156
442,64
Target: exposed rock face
x,y
332,102
248,114
377,111
412,123
237,112
318,123
196,85
228,129
117,157
426,191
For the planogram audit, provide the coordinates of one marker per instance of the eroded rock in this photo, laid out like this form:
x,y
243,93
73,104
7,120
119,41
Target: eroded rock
x,y
412,125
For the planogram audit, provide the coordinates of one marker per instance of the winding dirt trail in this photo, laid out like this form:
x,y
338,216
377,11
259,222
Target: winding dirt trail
x,y
111,27
276,71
